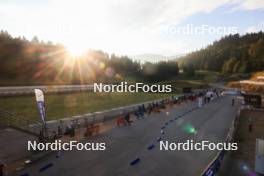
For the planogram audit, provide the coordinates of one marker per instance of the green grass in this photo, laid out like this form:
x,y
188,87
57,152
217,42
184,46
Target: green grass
x,y
208,76
200,80
65,105
179,84
196,84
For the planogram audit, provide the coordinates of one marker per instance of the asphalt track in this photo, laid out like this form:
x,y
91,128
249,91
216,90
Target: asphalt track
x,y
125,144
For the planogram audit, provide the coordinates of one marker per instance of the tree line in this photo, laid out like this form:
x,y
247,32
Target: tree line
x,y
231,54
36,62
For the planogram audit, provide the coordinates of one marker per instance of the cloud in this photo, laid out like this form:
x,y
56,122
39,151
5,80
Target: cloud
x,y
251,4
112,25
255,28
156,12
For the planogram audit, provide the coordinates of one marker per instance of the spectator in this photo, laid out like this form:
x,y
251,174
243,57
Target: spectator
x,y
205,100
67,130
41,136
127,118
54,135
150,108
143,107
59,131
200,102
120,121
72,131
141,111
137,114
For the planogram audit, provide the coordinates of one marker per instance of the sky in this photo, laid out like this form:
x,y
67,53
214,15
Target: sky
x,y
131,27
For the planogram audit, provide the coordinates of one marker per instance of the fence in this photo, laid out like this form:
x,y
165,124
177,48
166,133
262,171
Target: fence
x,y
34,127
102,116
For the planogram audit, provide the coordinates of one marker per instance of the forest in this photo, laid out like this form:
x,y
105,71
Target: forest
x,y
231,54
34,62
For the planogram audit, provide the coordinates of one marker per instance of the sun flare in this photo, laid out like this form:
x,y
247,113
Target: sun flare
x,y
76,50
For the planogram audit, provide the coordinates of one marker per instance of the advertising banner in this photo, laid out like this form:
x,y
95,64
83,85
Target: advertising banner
x,y
41,104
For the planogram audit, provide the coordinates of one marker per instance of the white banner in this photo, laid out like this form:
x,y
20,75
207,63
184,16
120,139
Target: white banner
x,y
41,104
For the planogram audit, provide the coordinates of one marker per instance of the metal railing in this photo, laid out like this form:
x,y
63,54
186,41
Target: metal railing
x,y
10,119
214,166
34,127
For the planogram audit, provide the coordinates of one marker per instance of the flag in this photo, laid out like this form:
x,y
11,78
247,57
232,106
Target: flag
x,y
41,105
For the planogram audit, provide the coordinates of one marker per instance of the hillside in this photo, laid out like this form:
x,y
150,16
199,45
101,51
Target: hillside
x,y
229,55
35,62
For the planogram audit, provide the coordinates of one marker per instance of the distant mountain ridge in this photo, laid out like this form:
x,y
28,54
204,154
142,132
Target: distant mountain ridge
x,y
154,57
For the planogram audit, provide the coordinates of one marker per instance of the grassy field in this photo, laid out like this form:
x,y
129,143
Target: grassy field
x,y
64,105
200,80
179,84
195,84
207,76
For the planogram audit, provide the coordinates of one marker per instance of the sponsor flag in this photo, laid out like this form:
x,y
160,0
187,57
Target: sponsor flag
x,y
41,104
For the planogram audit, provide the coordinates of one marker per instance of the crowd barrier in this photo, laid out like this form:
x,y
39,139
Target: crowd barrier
x,y
102,116
33,127
20,122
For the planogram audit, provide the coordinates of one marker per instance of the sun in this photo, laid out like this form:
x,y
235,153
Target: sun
x,y
76,50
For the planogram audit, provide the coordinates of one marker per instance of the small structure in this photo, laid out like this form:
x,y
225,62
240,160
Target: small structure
x,y
253,100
